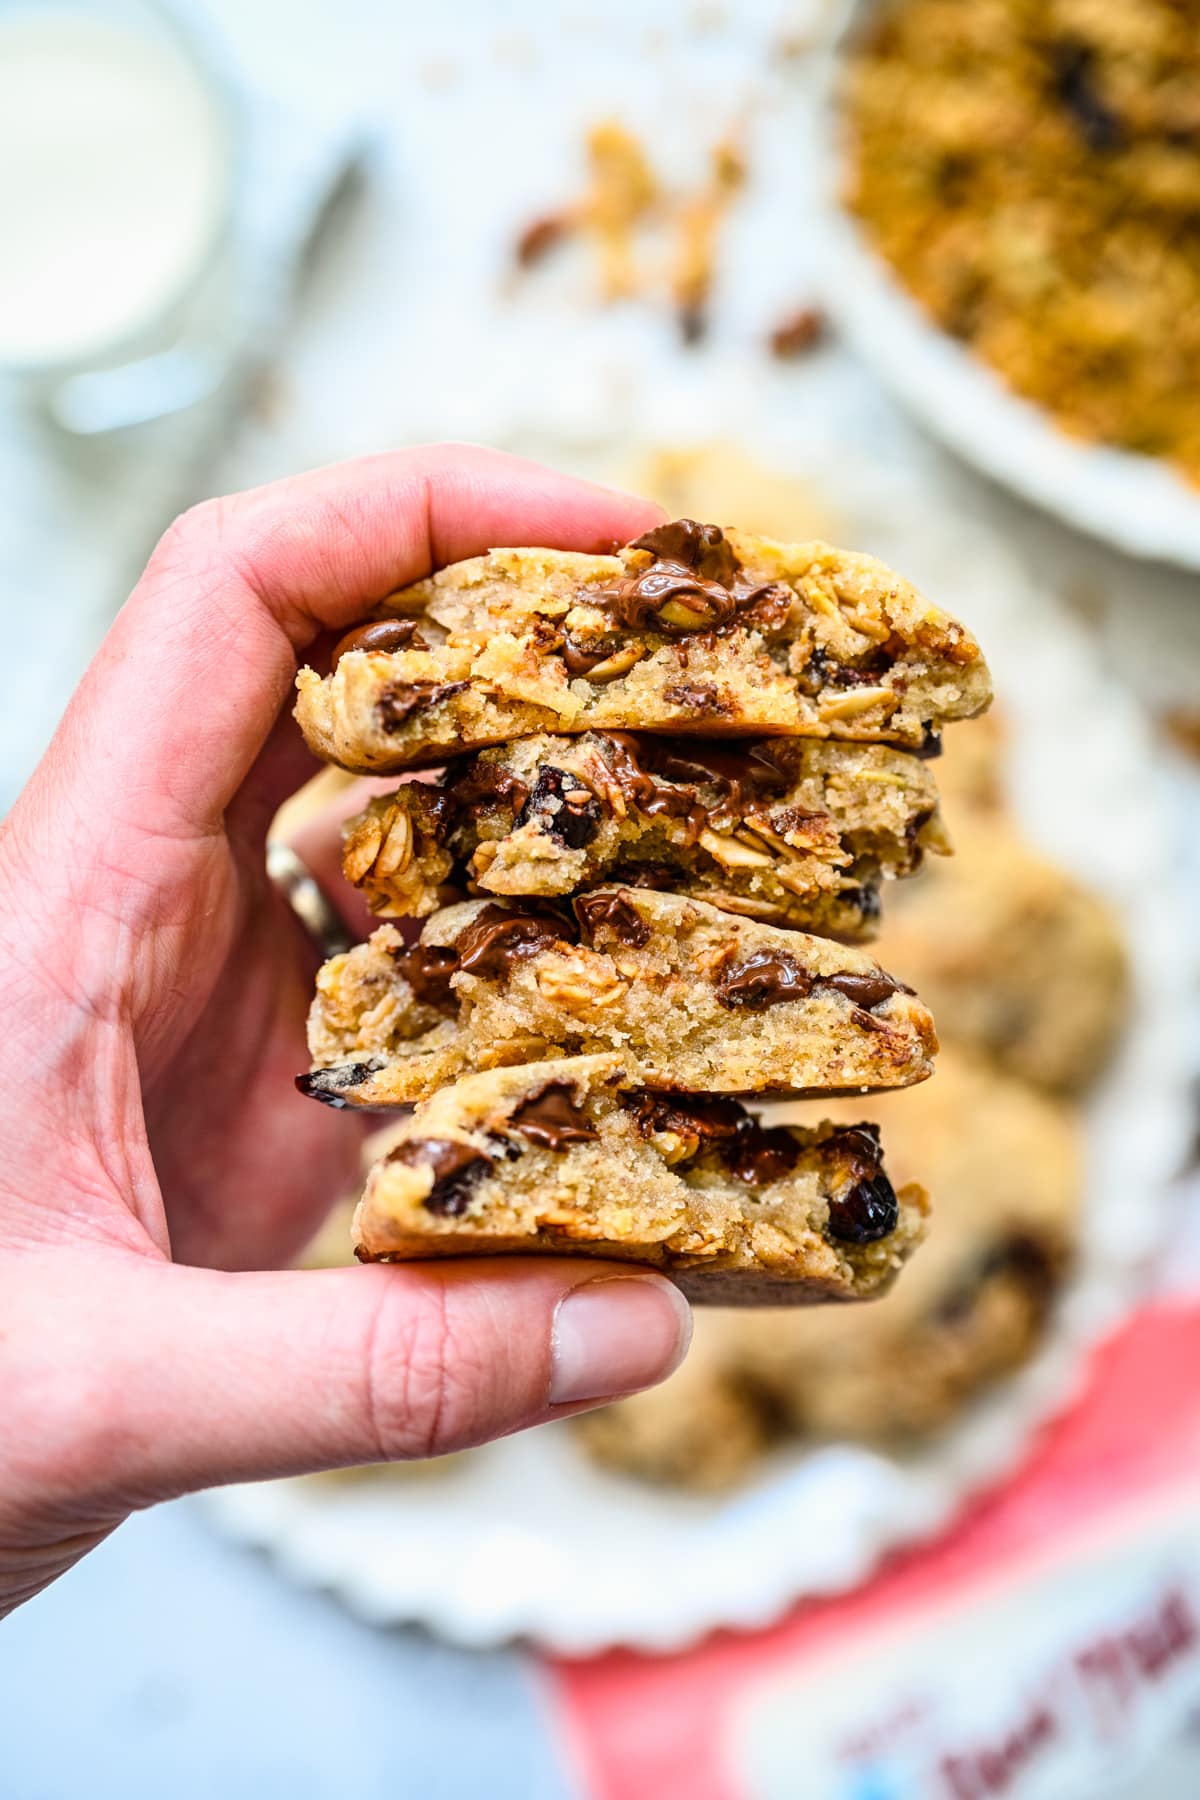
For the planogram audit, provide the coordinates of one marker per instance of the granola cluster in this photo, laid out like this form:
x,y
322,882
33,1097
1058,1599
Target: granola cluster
x,y
1031,169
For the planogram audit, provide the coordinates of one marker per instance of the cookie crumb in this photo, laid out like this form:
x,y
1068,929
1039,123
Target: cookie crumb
x,y
540,236
798,333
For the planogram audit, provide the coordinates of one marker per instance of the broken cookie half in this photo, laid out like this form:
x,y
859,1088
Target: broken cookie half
x,y
571,1157
687,629
690,998
795,831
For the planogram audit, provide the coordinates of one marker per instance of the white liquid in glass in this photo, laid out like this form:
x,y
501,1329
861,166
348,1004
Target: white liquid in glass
x,y
114,169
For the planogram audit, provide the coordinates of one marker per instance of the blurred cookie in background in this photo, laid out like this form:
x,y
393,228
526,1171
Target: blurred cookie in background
x,y
720,481
706,1428
1013,956
1002,1163
971,771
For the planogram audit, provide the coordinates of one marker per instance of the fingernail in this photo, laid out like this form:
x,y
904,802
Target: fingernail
x,y
617,1334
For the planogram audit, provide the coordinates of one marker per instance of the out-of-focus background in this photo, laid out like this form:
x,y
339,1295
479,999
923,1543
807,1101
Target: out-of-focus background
x,y
924,278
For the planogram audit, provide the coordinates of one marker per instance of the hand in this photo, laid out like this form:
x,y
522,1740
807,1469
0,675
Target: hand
x,y
156,990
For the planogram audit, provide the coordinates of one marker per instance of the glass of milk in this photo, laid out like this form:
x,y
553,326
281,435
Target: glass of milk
x,y
117,162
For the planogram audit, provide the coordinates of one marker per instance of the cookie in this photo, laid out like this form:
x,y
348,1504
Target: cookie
x,y
1014,956
798,832
690,998
567,1156
1003,1166
704,1428
687,629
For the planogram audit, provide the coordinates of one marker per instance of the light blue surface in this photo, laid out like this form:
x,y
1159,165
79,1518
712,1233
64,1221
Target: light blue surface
x,y
171,1666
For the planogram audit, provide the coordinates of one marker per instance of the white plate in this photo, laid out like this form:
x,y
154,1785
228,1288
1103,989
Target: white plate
x,y
1139,504
525,1538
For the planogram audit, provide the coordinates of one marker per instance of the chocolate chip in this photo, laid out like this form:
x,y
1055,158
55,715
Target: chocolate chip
x,y
615,913
914,828
748,1151
401,699
644,875
737,774
387,635
563,807
331,1086
823,670
704,549
434,807
700,698
1073,68
865,990
553,1118
865,900
484,786
685,1115
765,978
930,746
759,1155
497,937
456,1169
427,968
867,1209
581,659
693,566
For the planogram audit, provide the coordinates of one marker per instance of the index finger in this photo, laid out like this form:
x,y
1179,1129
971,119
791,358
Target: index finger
x,y
186,685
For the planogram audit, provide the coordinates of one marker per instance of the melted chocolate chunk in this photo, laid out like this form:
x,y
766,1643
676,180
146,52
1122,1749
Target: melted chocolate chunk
x,y
401,699
865,990
749,1152
867,1209
434,807
695,567
382,634
764,978
330,1086
427,968
456,1168
738,775
486,785
580,660
563,807
553,1118
622,758
686,1115
702,549
497,938
617,914
758,1154
930,746
644,875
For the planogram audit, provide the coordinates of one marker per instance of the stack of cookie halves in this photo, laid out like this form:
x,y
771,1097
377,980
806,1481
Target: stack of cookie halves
x,y
670,782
